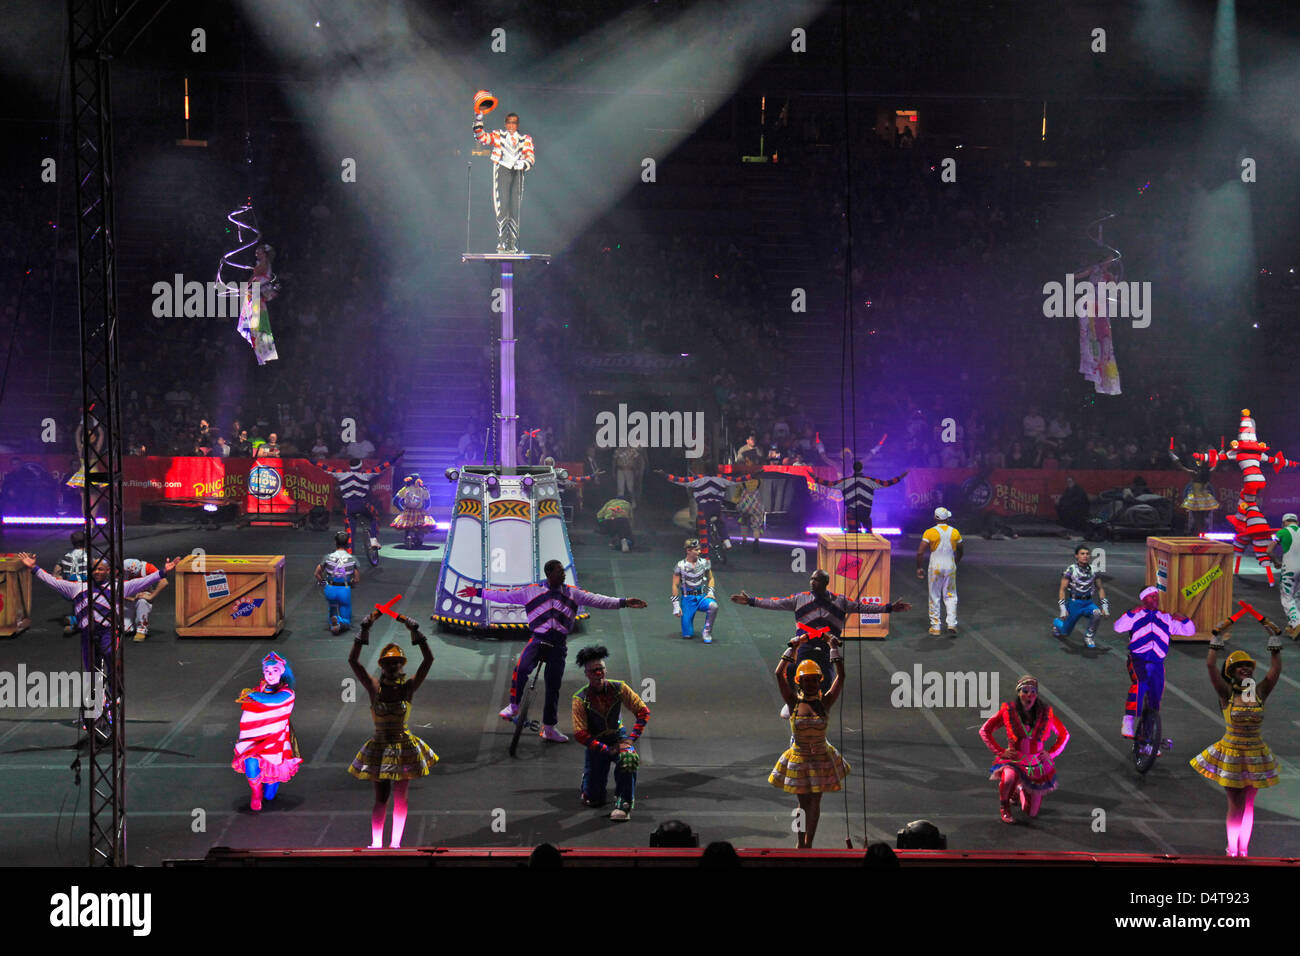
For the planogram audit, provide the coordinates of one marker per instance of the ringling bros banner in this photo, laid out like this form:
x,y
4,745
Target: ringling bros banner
x,y
1036,491
265,485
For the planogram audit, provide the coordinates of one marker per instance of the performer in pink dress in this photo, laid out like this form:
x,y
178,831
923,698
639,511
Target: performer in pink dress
x,y
1025,765
267,750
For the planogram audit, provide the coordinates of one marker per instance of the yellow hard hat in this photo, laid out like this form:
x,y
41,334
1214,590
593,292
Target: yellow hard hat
x,y
807,668
1235,658
392,652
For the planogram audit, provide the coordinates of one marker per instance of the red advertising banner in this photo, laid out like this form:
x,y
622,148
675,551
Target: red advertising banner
x,y
38,483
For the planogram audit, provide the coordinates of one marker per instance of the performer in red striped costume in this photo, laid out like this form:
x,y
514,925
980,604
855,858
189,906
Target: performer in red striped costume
x,y
267,751
1251,526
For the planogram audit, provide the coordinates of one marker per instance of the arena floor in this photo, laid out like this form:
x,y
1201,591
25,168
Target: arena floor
x,y
713,736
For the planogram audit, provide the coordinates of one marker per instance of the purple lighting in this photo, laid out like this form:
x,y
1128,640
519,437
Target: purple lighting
x,y
793,544
1218,535
46,519
891,532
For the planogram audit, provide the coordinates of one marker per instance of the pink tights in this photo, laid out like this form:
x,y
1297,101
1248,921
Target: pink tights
x,y
380,809
1241,819
1009,783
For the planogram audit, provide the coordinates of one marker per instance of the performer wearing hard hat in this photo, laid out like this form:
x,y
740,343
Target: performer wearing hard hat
x,y
512,157
1240,761
811,766
1286,552
944,546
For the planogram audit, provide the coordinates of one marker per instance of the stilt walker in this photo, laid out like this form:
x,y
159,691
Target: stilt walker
x,y
1252,528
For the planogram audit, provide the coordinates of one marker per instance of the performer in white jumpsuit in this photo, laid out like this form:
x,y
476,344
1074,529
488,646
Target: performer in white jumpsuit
x,y
1287,555
943,544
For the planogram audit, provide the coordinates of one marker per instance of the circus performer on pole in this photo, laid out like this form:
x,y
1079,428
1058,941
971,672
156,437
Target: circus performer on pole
x,y
1025,766
1249,522
1199,502
513,156
267,751
414,520
1240,761
394,756
811,766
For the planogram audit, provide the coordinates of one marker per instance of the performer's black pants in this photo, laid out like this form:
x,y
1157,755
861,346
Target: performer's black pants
x,y
507,198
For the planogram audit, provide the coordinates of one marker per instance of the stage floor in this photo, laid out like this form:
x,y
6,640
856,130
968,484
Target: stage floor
x,y
713,736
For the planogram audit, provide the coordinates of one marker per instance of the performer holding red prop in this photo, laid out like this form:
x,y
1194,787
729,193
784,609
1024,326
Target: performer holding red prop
x,y
1252,528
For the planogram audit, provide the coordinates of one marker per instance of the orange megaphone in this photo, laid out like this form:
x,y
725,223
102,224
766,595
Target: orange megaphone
x,y
484,102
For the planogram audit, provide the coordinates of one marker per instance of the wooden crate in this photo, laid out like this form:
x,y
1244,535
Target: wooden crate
x,y
16,593
859,568
248,578
1194,577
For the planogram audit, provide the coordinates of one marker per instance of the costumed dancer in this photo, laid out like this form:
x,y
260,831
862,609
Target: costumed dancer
x,y
354,488
1149,630
943,545
811,766
859,493
749,506
414,519
709,492
394,756
1286,552
513,155
552,608
1199,502
817,613
1025,766
254,320
1240,761
337,573
96,627
1077,597
693,591
597,725
267,750
1252,528
133,568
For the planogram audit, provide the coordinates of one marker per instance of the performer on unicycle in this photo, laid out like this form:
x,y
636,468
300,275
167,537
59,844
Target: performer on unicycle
x,y
1149,630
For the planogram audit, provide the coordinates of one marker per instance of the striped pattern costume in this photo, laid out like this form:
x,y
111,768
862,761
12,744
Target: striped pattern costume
x,y
709,492
811,764
354,488
551,613
393,753
1036,769
1249,522
695,595
1148,646
859,493
598,727
266,734
512,156
1240,758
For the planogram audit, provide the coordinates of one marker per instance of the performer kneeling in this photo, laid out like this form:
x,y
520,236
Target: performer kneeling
x,y
267,751
693,591
1025,765
811,766
394,756
598,727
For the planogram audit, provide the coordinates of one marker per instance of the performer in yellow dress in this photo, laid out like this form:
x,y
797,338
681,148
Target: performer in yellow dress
x,y
811,766
394,756
1240,762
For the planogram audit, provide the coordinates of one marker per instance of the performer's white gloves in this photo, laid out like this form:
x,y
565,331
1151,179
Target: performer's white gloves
x,y
677,607
1105,606
1060,610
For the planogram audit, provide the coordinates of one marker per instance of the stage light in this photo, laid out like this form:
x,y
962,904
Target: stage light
x,y
787,541
1217,535
209,507
46,520
921,835
892,532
